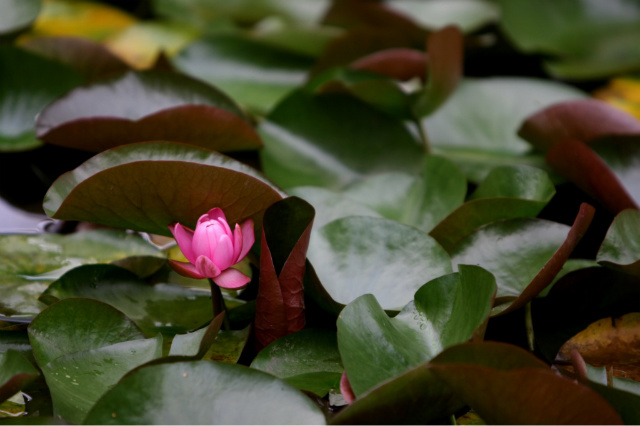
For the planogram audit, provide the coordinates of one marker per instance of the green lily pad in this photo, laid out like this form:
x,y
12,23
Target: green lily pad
x,y
622,156
621,246
29,82
163,307
151,185
15,373
507,192
30,262
421,202
202,392
330,205
478,138
332,140
228,346
590,40
445,311
16,15
255,74
145,106
359,255
84,347
308,359
468,15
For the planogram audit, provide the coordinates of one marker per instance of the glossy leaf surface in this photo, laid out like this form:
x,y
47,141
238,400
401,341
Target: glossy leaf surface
x,y
621,246
308,360
80,363
174,183
255,74
28,83
162,307
160,393
478,138
445,312
360,255
144,106
332,140
469,15
507,192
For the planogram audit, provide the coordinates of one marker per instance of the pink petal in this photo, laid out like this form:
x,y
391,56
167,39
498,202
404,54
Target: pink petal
x,y
345,389
223,253
248,238
202,242
237,243
232,279
186,269
184,238
217,215
206,267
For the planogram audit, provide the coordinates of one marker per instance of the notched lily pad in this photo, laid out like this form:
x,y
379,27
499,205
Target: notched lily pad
x,y
144,106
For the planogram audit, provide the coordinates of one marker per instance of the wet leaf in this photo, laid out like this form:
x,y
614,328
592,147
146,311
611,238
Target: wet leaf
x,y
535,248
507,192
445,311
253,73
15,373
16,15
360,255
421,202
280,300
28,83
216,393
332,140
594,42
163,307
621,246
308,359
478,138
82,359
28,263
173,183
144,106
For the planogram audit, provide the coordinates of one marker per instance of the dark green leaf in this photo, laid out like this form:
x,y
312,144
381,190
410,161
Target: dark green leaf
x,y
446,311
147,186
202,392
359,255
621,246
28,82
15,373
332,140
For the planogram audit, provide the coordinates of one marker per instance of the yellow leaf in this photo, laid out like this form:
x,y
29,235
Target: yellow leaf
x,y
623,93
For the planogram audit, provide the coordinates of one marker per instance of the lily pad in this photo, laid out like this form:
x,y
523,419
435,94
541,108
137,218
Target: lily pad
x,y
418,201
82,359
332,140
145,106
621,246
202,392
30,262
255,74
588,39
29,82
163,307
359,255
15,373
308,360
445,311
228,346
16,15
147,186
469,15
478,138
507,192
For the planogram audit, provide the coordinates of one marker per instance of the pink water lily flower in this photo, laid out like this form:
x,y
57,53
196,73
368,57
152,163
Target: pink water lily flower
x,y
212,249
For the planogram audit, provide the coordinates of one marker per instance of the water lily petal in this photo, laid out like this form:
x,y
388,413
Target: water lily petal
x,y
217,215
202,242
186,269
206,267
248,238
223,253
232,279
184,238
237,243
